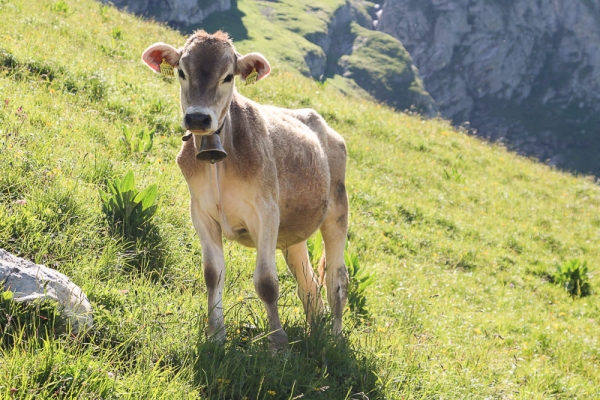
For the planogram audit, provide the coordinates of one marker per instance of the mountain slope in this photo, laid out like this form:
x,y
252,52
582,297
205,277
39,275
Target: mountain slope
x,y
462,237
332,41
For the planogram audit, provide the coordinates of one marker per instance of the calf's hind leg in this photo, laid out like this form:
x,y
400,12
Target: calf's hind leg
x,y
296,257
334,230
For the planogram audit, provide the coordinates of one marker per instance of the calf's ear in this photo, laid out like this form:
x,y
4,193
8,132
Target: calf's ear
x,y
154,55
253,61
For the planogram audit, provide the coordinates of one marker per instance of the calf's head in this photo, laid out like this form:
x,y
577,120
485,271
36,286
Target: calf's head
x,y
206,66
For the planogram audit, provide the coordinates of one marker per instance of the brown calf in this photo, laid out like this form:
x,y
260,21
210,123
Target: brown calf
x,y
283,179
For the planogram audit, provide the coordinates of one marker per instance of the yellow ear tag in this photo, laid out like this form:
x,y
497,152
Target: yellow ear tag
x,y
166,69
251,78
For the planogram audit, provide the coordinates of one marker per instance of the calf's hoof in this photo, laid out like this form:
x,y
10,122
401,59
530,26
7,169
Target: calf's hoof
x,y
278,341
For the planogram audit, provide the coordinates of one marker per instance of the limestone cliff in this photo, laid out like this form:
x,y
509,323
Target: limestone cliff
x,y
524,71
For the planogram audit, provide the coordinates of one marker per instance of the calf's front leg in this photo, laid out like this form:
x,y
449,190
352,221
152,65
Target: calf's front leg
x,y
266,281
213,265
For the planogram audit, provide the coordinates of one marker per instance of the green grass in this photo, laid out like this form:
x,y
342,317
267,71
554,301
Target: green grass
x,y
460,235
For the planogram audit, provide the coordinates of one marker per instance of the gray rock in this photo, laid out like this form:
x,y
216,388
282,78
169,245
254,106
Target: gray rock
x,y
526,71
29,281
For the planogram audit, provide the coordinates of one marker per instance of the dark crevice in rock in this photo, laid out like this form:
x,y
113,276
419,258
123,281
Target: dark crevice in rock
x,y
336,42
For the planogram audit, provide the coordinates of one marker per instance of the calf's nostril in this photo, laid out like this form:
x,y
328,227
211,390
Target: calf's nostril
x,y
195,121
206,121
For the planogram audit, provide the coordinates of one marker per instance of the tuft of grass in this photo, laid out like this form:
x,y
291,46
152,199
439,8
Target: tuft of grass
x,y
129,210
573,276
130,213
30,321
360,280
139,144
315,248
60,6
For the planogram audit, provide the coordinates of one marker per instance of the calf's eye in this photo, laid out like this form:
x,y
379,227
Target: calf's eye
x,y
228,78
181,74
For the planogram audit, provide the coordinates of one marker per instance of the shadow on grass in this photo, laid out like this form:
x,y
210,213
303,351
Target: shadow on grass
x,y
28,322
314,366
147,254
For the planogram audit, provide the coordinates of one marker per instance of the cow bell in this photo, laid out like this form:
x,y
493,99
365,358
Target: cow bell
x,y
211,149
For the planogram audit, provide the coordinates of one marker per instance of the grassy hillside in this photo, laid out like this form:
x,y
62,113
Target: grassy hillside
x,y
277,29
462,237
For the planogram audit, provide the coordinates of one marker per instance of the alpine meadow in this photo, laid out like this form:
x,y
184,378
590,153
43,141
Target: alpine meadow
x,y
473,269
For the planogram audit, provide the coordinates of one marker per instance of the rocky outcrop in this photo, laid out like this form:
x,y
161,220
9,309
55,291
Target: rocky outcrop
x,y
181,13
369,59
29,282
339,39
524,71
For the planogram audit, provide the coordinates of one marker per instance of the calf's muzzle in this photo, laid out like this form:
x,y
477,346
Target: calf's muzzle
x,y
196,121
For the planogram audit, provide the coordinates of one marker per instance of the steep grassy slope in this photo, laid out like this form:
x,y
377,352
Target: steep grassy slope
x,y
461,236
